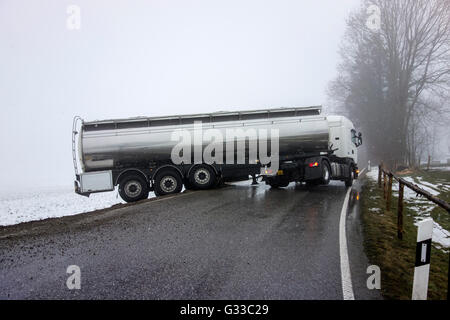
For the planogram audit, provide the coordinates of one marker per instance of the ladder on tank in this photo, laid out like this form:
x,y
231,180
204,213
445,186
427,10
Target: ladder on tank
x,y
76,119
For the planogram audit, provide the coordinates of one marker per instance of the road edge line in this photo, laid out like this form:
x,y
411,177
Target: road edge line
x,y
361,172
347,288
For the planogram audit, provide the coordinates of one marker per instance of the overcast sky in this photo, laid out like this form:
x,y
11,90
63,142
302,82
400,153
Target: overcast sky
x,y
132,58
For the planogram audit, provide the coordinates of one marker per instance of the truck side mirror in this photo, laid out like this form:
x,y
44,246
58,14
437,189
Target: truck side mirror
x,y
359,139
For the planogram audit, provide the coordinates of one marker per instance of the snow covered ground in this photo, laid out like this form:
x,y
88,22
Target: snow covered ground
x,y
45,203
56,202
445,168
421,205
373,173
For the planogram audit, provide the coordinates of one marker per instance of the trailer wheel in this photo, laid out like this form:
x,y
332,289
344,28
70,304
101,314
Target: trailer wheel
x,y
202,177
167,181
349,180
277,182
133,187
219,182
326,173
187,185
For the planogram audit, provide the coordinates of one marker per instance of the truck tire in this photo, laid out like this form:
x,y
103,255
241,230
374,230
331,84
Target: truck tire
x,y
277,182
326,173
202,177
133,187
167,181
349,180
188,185
219,182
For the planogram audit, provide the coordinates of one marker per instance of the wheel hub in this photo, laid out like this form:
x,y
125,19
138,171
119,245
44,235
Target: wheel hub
x,y
202,176
133,189
168,184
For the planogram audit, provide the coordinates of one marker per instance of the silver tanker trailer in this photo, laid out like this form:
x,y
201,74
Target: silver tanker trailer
x,y
137,154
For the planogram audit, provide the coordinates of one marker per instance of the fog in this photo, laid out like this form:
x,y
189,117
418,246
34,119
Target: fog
x,y
133,58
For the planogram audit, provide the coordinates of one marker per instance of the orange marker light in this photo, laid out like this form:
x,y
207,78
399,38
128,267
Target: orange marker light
x,y
314,164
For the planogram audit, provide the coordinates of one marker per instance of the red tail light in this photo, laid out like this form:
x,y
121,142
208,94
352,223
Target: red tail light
x,y
313,164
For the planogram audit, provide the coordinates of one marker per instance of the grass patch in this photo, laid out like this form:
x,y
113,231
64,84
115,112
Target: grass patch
x,y
396,257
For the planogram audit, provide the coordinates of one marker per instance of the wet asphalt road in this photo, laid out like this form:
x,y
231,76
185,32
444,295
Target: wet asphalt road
x,y
238,242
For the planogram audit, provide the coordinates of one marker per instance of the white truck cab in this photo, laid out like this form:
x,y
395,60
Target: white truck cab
x,y
343,137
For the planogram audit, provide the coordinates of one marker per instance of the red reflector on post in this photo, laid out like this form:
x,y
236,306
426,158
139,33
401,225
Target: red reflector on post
x,y
313,164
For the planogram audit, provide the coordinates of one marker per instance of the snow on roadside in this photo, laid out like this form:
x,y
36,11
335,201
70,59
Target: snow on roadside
x,y
373,173
425,187
45,203
444,168
426,183
437,187
440,235
420,205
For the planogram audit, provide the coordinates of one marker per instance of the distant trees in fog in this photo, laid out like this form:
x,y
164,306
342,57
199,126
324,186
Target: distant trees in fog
x,y
394,76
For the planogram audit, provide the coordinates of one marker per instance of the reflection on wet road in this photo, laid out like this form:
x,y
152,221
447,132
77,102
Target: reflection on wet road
x,y
239,242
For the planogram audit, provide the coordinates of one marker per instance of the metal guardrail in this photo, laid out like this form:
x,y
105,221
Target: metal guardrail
x,y
386,183
385,179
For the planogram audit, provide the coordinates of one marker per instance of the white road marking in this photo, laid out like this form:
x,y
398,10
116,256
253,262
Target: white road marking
x,y
360,173
347,289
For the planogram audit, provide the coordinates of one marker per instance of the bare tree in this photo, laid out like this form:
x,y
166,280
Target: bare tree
x,y
394,81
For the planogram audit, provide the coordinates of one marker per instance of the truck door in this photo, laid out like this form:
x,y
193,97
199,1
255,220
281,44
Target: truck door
x,y
354,143
336,141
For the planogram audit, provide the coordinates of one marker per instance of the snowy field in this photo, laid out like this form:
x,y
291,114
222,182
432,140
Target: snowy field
x,y
421,205
445,168
45,203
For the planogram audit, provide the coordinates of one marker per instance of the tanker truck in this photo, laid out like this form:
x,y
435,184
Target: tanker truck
x,y
279,145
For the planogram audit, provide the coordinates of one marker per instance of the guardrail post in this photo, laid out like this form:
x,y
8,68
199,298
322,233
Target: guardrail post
x,y
379,175
421,272
400,211
423,253
448,278
389,193
448,275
